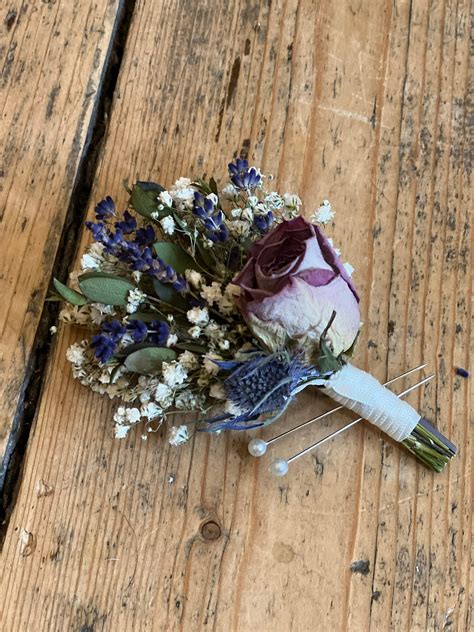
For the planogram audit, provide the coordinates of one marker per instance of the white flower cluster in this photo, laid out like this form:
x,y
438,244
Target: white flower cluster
x,y
134,299
323,213
85,315
182,194
97,377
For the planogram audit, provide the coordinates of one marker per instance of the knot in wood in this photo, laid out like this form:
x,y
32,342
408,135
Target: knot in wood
x,y
211,530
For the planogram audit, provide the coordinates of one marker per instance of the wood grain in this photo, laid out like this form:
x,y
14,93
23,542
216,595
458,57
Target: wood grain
x,y
53,55
363,103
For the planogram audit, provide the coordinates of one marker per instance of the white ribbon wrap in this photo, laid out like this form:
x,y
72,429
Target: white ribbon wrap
x,y
362,393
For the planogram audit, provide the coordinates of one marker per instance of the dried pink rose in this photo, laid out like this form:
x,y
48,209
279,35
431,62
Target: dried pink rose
x,y
292,283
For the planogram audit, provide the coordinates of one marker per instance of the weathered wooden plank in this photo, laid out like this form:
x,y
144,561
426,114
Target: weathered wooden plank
x,y
363,104
53,54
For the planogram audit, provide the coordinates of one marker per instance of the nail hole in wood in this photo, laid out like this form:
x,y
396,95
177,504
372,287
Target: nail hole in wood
x,y
210,530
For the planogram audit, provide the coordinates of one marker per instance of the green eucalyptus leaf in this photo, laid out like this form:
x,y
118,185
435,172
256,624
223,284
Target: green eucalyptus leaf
x,y
205,256
115,373
144,198
68,294
167,293
149,360
145,317
101,287
136,346
174,256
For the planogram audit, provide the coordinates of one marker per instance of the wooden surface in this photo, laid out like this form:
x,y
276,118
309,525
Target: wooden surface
x,y
364,103
52,56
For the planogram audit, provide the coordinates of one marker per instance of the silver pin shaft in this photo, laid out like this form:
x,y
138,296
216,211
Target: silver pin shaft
x,y
356,421
335,410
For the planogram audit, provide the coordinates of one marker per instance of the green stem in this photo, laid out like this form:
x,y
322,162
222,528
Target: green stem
x,y
430,446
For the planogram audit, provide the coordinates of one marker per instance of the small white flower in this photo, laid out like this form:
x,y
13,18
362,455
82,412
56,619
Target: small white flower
x,y
173,374
217,391
165,198
132,415
151,410
213,330
135,298
195,331
74,314
193,278
144,397
291,200
88,262
188,360
229,191
213,198
178,435
226,304
75,354
210,366
211,293
274,200
163,395
232,408
198,316
53,330
224,345
104,309
247,214
136,275
233,290
121,431
172,340
186,400
323,214
253,200
168,225
124,418
239,228
182,193
349,269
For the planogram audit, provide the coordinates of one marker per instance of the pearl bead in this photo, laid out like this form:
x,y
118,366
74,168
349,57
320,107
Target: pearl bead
x,y
257,447
279,467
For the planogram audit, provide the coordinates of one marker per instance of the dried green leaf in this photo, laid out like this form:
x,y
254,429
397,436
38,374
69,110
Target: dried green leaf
x,y
168,294
174,256
149,360
144,198
68,294
101,287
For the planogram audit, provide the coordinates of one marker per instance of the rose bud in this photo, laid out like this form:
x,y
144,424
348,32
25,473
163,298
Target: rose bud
x,y
292,284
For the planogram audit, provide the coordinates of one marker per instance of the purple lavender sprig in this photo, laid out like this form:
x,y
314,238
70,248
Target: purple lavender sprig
x,y
106,343
212,218
137,252
243,177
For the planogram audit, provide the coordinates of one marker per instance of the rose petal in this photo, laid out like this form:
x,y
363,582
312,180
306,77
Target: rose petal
x,y
298,227
304,312
332,258
317,277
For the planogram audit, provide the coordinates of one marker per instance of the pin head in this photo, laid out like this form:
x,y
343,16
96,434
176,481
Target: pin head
x,y
279,467
257,447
